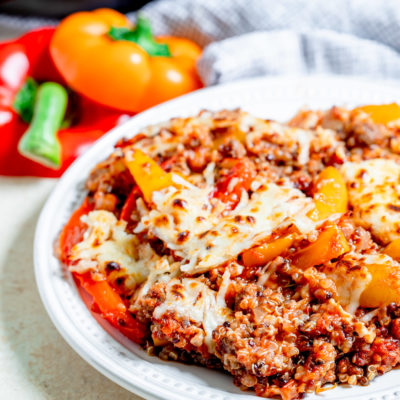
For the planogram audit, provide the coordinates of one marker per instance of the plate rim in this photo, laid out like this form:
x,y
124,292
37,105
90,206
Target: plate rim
x,y
109,138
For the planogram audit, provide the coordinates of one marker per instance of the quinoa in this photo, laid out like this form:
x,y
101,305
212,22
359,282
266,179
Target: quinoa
x,y
280,327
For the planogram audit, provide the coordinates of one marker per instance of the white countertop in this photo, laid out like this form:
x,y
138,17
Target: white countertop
x,y
35,361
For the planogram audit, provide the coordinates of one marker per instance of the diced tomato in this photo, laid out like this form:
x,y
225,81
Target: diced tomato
x,y
238,179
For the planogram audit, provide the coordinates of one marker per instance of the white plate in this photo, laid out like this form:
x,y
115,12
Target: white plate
x,y
102,346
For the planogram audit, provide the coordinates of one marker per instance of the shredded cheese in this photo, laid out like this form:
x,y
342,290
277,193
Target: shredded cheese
x,y
192,299
205,237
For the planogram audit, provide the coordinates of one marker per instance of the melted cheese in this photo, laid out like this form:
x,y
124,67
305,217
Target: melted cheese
x,y
374,193
204,237
193,300
354,274
351,277
104,241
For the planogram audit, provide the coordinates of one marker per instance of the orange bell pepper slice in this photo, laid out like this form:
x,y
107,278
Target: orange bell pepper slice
x,y
103,57
331,195
393,249
148,175
384,287
266,252
383,113
330,244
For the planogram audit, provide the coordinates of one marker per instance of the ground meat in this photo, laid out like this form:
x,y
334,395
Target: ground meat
x,y
110,177
105,201
367,134
232,149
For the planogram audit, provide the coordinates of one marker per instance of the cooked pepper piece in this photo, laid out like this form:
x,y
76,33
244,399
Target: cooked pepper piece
x,y
107,300
393,249
148,175
330,244
112,307
266,252
382,114
331,195
73,230
384,287
238,179
130,204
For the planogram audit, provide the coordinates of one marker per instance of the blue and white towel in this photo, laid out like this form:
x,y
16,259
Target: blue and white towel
x,y
245,38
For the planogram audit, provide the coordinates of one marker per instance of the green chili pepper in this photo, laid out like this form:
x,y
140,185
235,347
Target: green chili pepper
x,y
39,142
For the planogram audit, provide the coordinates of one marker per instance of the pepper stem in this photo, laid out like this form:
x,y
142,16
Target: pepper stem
x,y
142,35
39,143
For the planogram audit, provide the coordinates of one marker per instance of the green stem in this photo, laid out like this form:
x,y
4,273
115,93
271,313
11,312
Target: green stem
x,y
39,142
142,36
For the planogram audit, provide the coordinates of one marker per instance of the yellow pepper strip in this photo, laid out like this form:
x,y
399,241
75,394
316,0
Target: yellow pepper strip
x,y
330,244
393,249
331,195
148,175
384,287
382,114
266,252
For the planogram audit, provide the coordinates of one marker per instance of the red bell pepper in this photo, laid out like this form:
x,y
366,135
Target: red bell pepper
x,y
106,300
29,56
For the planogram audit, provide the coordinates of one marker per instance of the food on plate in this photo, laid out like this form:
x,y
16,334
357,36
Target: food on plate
x,y
102,56
25,64
264,249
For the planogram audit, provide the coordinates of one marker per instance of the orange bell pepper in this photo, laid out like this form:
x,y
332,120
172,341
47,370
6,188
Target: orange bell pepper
x,y
382,114
266,252
148,175
330,244
102,56
331,195
393,249
384,287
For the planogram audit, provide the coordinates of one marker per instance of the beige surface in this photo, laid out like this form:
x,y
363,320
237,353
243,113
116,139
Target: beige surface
x,y
35,361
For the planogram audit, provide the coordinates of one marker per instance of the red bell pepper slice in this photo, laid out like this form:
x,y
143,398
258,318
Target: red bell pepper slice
x,y
130,204
112,307
105,298
73,231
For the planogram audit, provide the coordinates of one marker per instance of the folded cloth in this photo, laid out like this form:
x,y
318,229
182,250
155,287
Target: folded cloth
x,y
258,37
